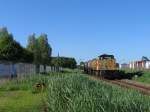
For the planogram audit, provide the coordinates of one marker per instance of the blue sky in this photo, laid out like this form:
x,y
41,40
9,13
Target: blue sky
x,y
83,29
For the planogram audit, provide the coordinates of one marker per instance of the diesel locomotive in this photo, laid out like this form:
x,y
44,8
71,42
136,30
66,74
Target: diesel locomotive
x,y
105,66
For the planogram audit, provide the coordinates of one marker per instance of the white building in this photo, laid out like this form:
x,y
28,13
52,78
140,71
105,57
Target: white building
x,y
147,65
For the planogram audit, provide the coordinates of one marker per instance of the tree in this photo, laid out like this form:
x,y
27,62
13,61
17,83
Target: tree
x,y
40,48
65,62
44,49
5,37
33,47
27,56
10,50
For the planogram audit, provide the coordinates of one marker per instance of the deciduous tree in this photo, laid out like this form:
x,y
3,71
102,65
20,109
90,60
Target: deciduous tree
x,y
10,50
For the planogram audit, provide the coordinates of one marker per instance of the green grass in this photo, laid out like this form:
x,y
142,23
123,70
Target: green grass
x,y
20,101
20,95
70,91
78,93
145,78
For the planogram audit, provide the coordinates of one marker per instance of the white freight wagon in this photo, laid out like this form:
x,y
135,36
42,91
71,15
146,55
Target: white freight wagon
x,y
147,65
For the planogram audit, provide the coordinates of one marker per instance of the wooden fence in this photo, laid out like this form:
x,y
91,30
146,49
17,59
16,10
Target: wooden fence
x,y
10,70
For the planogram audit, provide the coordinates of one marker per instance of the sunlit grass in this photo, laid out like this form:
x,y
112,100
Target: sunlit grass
x,y
69,91
145,78
20,101
78,93
20,95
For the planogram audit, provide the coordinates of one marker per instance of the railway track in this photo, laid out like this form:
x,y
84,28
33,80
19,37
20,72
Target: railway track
x,y
130,84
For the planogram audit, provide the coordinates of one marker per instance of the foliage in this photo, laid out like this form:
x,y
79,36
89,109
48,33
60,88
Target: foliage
x,y
44,48
65,62
34,48
40,48
27,56
10,50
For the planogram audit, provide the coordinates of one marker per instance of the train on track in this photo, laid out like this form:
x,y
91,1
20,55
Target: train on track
x,y
104,66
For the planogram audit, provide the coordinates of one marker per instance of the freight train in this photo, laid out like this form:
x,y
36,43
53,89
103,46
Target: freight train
x,y
104,66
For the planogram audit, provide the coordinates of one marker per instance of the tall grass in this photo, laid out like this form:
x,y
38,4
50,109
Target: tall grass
x,y
26,83
78,93
74,92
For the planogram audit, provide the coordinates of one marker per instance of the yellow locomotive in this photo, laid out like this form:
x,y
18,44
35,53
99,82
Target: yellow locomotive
x,y
104,66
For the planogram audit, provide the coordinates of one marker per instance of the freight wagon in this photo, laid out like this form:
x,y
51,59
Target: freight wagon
x,y
139,65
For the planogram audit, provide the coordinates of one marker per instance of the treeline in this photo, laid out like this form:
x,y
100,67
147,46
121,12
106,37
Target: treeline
x,y
37,51
11,50
64,62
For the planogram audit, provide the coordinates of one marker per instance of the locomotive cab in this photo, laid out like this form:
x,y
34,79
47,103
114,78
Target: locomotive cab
x,y
104,66
106,56
109,66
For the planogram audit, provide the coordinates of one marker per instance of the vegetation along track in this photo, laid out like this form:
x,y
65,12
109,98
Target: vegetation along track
x,y
145,89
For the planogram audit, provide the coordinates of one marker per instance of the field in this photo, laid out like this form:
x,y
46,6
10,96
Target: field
x,y
139,76
145,78
69,92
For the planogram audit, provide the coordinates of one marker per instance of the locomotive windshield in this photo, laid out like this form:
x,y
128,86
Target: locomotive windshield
x,y
105,56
